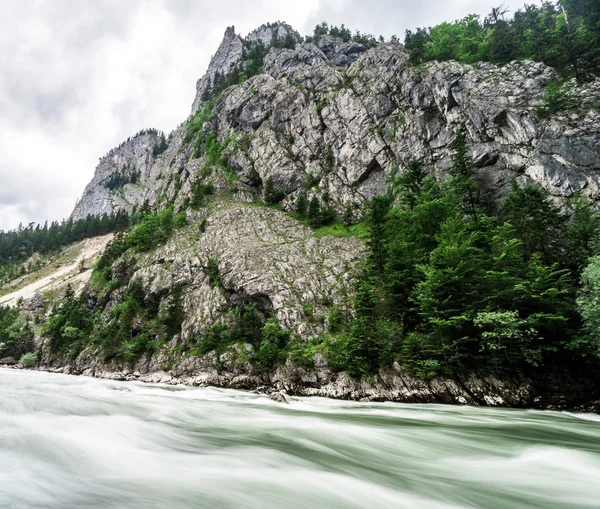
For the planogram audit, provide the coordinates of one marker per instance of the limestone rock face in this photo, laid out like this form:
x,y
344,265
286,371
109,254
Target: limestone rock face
x,y
340,53
223,61
270,32
108,191
264,257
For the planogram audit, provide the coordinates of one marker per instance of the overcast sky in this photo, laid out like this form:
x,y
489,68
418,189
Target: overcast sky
x,y
79,76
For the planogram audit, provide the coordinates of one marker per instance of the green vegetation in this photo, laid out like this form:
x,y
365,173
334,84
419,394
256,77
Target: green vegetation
x,y
343,33
28,360
564,35
16,334
70,324
272,195
212,272
120,178
161,146
448,287
246,325
199,191
153,230
557,97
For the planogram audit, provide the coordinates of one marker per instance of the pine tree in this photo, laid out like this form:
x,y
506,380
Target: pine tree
x,y
314,211
462,172
376,218
271,194
409,184
301,205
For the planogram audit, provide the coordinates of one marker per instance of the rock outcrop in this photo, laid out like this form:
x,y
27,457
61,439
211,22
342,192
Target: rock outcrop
x,y
117,176
264,257
223,61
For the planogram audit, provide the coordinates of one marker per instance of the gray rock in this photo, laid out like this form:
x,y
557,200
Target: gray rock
x,y
279,397
223,61
268,33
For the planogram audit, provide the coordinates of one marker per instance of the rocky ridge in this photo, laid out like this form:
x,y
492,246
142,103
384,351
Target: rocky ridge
x,y
350,115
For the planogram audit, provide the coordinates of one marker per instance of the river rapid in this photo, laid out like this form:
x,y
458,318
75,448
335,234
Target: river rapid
x,y
75,442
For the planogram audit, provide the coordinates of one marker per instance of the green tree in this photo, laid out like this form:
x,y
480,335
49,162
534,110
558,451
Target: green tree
x,y
537,222
301,205
314,211
271,194
588,303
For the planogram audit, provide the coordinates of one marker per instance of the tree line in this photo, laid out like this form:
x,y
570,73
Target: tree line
x,y
564,35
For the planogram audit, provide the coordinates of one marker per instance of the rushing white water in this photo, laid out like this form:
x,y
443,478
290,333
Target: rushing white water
x,y
75,442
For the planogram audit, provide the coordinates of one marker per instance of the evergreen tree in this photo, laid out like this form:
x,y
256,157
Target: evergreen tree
x,y
462,172
537,222
376,219
301,205
272,195
314,211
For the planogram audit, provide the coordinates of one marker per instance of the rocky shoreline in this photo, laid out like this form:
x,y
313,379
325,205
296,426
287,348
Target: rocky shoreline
x,y
390,384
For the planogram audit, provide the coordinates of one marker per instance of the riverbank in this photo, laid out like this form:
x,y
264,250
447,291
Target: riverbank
x,y
551,392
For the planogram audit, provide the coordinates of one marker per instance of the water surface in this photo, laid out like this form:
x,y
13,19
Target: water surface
x,y
76,442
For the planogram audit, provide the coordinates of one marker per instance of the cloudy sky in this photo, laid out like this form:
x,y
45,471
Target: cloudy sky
x,y
79,76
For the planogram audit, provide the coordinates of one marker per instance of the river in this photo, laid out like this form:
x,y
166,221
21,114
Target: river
x,y
75,442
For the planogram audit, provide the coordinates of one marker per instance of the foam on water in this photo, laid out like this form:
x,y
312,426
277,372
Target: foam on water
x,y
74,442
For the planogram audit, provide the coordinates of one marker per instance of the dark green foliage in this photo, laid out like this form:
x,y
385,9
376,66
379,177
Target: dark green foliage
x,y
462,171
273,344
537,222
343,33
69,325
448,287
314,210
200,190
247,325
311,181
583,233
376,219
409,184
557,98
301,205
153,230
328,160
272,195
348,216
117,180
18,245
212,272
16,334
161,146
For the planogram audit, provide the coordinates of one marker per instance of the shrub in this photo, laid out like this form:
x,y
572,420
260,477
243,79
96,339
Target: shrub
x,y
200,191
274,341
212,272
557,97
28,360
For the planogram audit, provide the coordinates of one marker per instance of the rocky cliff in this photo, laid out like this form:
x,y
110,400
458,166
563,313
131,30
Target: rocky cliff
x,y
332,120
349,114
